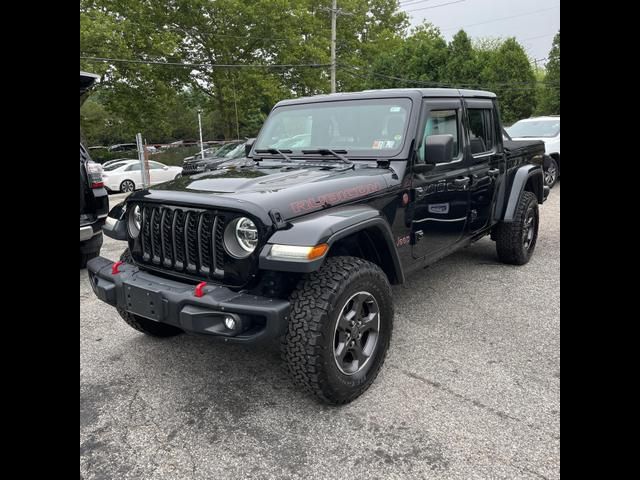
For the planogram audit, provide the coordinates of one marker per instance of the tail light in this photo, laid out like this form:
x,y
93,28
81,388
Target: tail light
x,y
94,174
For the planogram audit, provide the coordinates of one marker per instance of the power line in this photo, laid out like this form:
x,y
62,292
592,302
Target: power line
x,y
434,6
538,36
501,18
413,2
213,65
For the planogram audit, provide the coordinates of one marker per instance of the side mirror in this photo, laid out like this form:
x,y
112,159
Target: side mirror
x,y
165,168
438,149
248,146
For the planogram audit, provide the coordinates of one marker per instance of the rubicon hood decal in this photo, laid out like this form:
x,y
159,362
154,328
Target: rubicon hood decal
x,y
333,198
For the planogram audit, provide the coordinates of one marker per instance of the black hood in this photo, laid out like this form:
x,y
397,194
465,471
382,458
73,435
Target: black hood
x,y
292,190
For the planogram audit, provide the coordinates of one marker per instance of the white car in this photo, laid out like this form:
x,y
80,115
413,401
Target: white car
x,y
546,129
126,176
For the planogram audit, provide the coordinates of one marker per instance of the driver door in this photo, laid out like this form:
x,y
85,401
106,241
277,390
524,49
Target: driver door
x,y
441,195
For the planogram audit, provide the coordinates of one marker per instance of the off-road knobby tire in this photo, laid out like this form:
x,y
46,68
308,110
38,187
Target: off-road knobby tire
x,y
509,236
316,304
144,325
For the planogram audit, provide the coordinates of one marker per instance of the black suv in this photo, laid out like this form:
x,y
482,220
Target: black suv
x,y
94,201
304,244
227,152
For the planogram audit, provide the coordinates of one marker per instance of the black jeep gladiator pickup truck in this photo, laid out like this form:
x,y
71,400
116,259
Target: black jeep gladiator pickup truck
x,y
304,242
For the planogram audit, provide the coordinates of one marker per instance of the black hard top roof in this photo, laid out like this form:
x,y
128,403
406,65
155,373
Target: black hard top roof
x,y
414,93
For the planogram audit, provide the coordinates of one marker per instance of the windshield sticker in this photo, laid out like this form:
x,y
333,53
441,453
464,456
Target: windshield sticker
x,y
377,144
389,144
394,109
398,137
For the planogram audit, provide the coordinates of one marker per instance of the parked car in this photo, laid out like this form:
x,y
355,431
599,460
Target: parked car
x,y
94,202
208,153
546,129
126,176
304,245
116,160
123,147
230,151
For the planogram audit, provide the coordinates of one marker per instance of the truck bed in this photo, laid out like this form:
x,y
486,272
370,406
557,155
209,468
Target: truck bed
x,y
518,147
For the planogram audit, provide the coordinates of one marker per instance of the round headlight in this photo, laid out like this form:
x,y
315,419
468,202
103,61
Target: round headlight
x,y
135,221
241,237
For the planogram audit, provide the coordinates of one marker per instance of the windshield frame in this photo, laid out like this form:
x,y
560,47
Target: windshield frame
x,y
360,154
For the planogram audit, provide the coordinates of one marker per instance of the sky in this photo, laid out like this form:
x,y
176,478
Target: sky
x,y
534,31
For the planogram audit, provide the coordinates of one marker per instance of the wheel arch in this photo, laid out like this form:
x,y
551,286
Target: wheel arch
x,y
359,232
529,178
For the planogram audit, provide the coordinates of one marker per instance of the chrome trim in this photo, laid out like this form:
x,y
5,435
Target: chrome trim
x,y
86,233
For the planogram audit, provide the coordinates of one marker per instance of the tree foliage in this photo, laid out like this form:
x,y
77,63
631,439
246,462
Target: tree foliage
x,y
374,50
550,98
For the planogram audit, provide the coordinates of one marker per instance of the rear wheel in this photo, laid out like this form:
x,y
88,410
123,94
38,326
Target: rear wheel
x,y
144,325
516,241
127,186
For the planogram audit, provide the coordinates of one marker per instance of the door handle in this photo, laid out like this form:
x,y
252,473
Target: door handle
x,y
492,172
461,181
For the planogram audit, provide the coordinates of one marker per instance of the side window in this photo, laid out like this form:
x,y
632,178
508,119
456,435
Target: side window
x,y
441,122
133,167
481,130
155,166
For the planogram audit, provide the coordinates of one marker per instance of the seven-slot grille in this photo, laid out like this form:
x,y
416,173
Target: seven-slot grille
x,y
184,240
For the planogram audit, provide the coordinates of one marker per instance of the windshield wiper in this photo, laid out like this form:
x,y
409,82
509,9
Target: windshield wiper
x,y
275,151
327,151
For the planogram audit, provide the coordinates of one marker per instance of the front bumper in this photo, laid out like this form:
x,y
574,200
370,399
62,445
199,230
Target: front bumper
x,y
167,301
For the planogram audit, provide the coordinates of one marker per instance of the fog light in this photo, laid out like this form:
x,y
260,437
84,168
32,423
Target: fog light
x,y
230,323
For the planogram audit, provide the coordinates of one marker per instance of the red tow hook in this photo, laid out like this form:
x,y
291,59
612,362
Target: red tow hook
x,y
114,267
198,291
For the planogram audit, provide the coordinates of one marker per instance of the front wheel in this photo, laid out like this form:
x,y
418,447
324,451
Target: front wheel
x,y
340,328
127,186
515,241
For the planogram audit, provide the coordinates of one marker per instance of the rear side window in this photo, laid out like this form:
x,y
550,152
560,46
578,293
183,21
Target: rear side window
x,y
441,122
133,167
481,130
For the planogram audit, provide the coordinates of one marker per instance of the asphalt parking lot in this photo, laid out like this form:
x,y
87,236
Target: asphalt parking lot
x,y
470,388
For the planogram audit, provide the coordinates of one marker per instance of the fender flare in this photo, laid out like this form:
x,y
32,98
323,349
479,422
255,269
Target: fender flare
x,y
329,227
521,177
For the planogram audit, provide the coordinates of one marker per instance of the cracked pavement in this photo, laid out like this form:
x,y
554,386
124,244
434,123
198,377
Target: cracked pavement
x,y
470,388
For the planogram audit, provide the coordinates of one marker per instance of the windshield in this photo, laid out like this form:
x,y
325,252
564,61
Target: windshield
x,y
534,128
361,127
113,166
238,151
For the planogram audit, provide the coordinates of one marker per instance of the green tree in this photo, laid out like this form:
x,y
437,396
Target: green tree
x,y
419,61
508,73
462,61
551,96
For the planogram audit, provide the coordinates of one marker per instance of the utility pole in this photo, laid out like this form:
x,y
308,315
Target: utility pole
x,y
335,11
200,127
